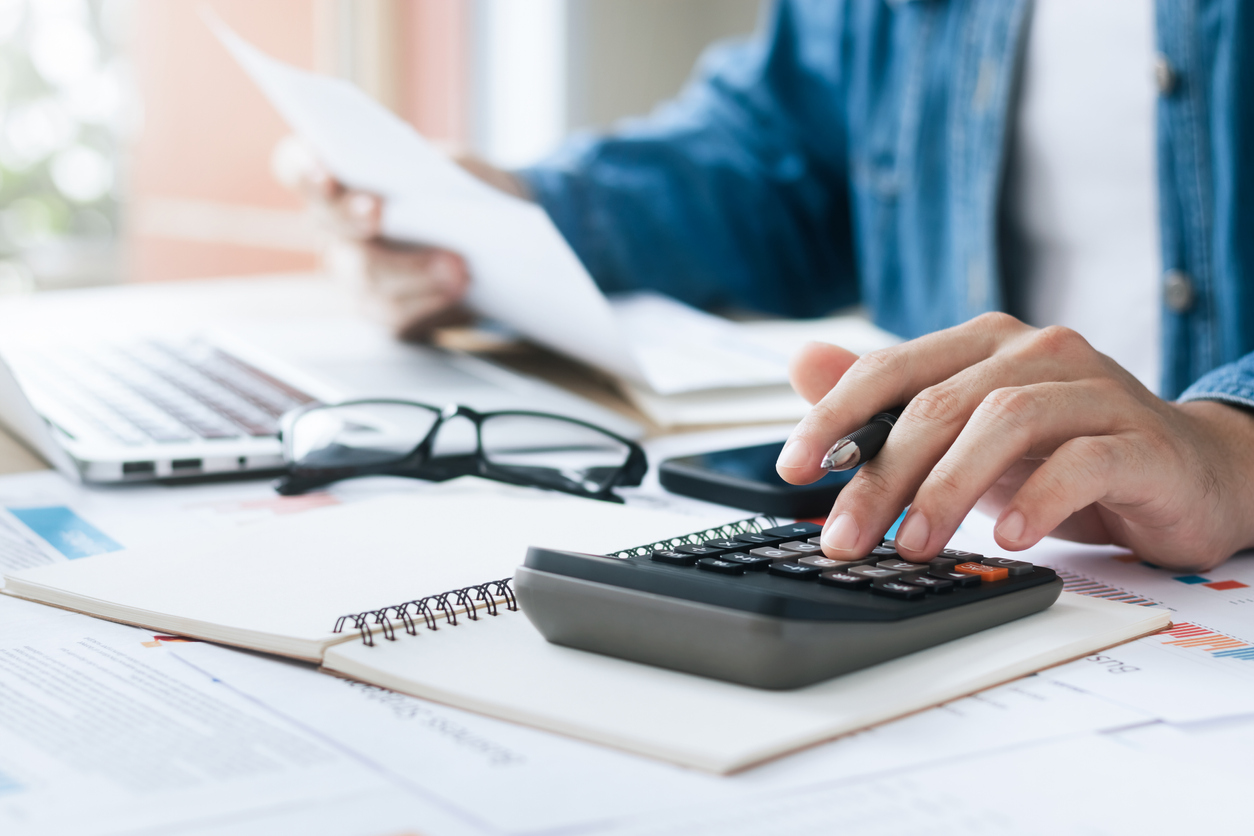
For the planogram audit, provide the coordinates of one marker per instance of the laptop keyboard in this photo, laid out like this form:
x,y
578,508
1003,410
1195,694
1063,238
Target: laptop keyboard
x,y
157,391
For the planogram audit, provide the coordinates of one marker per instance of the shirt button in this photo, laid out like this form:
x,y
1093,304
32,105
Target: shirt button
x,y
1164,75
1178,290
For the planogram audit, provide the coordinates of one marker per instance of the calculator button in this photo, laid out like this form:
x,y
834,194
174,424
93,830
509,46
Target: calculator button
x,y
896,589
725,545
675,558
794,570
959,580
945,564
757,540
796,531
802,548
903,566
824,563
884,551
889,544
1014,567
844,580
931,584
699,551
985,573
717,564
960,554
818,541
751,562
772,553
875,573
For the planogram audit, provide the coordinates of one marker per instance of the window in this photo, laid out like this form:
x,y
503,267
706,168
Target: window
x,y
65,108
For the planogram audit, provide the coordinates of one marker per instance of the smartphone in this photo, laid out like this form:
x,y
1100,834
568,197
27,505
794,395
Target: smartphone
x,y
745,478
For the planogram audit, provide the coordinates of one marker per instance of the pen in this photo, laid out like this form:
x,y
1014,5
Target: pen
x,y
861,445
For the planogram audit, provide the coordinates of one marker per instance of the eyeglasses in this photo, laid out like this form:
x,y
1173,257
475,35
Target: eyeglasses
x,y
326,443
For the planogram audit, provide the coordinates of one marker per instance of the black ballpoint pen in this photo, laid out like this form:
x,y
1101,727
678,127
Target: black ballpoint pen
x,y
862,444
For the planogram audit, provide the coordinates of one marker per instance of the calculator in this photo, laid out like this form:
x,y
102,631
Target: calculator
x,y
767,608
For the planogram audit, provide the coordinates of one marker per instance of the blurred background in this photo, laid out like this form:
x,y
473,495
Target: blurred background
x,y
133,149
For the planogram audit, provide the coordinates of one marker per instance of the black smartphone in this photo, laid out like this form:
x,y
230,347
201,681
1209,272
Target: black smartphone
x,y
745,478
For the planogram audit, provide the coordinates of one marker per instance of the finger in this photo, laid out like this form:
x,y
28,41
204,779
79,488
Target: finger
x,y
356,215
926,430
1081,472
296,166
884,379
816,368
1010,424
415,285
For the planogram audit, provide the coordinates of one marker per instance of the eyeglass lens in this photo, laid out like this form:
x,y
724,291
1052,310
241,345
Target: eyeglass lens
x,y
546,451
552,452
358,435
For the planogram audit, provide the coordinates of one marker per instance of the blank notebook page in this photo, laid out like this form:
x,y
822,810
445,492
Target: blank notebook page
x,y
503,667
289,579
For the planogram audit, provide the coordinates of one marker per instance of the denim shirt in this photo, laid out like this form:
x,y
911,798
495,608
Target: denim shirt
x,y
855,152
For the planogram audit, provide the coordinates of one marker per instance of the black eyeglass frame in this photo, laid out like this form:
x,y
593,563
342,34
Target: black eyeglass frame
x,y
419,464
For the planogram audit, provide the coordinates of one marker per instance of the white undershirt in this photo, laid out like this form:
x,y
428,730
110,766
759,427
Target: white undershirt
x,y
1083,191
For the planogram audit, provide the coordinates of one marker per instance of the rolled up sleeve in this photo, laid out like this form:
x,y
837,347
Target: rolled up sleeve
x,y
734,194
1233,383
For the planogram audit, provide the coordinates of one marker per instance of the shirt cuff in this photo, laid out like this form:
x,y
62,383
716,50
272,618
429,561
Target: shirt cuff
x,y
1232,384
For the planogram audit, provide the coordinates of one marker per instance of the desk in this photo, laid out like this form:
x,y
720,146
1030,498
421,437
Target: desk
x,y
1048,757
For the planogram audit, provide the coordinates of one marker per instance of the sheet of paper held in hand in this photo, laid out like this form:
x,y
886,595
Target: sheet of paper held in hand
x,y
510,244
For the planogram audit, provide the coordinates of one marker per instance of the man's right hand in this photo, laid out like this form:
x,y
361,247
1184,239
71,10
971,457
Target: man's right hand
x,y
413,288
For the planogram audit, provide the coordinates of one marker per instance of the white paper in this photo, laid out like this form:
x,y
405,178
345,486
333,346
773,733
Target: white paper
x,y
102,731
525,273
1086,784
518,779
1203,668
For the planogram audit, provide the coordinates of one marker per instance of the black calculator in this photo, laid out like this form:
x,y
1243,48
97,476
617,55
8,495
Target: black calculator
x,y
767,608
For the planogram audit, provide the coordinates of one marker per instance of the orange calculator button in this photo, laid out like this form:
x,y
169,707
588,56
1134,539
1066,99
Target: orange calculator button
x,y
986,573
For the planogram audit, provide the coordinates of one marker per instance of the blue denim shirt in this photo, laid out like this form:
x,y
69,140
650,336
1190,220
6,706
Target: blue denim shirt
x,y
855,152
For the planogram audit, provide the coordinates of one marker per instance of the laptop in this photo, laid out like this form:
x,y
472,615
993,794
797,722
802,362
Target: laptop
x,y
142,408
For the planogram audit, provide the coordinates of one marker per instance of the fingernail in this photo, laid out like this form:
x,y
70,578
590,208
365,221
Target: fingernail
x,y
795,454
1011,528
841,534
914,532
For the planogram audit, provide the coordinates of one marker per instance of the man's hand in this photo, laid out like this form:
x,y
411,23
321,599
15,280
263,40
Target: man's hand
x,y
1037,428
413,288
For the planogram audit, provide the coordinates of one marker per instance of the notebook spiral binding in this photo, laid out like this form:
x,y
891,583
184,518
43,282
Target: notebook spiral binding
x,y
491,595
752,525
468,600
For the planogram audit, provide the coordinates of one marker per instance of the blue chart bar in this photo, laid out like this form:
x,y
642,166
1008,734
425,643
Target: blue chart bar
x,y
68,533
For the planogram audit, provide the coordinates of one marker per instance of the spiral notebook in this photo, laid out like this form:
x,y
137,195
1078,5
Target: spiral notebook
x,y
316,586
502,667
280,586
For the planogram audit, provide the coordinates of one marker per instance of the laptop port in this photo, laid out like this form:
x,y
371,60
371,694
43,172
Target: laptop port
x,y
130,468
185,464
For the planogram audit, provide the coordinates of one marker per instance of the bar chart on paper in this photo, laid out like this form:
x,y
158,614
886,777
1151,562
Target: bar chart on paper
x,y
1197,669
